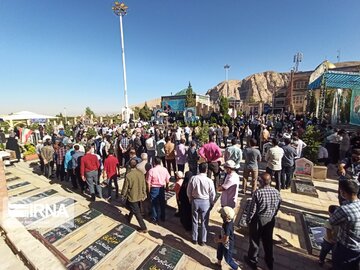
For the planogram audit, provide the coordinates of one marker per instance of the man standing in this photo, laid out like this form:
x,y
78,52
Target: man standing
x,y
226,131
160,149
252,157
230,186
346,254
134,190
76,159
158,178
274,158
211,152
201,194
264,206
170,155
233,153
287,164
151,147
89,171
47,153
111,172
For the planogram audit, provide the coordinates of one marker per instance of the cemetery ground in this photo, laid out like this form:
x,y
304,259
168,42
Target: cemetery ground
x,y
165,246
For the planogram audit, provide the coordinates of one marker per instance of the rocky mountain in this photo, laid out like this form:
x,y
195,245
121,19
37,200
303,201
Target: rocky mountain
x,y
257,87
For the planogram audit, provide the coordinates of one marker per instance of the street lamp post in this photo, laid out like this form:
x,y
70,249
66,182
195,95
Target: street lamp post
x,y
120,9
226,67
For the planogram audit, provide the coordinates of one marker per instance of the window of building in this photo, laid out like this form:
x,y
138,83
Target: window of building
x,y
300,85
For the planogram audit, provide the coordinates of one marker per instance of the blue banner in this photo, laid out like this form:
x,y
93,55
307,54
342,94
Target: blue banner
x,y
173,105
355,107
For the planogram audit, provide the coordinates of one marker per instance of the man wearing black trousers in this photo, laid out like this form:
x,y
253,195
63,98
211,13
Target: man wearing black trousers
x,y
264,206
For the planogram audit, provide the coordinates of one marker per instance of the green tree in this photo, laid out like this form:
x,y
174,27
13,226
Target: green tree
x,y
203,134
312,139
224,105
190,99
89,112
145,113
136,112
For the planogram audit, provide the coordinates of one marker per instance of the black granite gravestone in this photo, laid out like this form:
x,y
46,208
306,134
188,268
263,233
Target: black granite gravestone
x,y
70,226
23,192
94,253
37,197
12,179
305,187
314,231
42,214
22,184
164,257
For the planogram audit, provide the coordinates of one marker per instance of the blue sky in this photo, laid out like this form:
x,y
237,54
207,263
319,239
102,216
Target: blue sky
x,y
66,53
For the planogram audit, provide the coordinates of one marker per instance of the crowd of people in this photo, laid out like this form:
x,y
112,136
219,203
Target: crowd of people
x,y
154,156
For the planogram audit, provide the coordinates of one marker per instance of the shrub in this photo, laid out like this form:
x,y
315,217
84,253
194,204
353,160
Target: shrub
x,y
312,138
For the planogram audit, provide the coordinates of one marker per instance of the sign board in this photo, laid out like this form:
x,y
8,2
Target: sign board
x,y
355,107
190,114
165,257
304,167
173,104
158,116
314,231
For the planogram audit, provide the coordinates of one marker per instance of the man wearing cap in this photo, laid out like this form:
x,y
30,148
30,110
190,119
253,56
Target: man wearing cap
x,y
226,239
201,194
158,179
229,189
264,206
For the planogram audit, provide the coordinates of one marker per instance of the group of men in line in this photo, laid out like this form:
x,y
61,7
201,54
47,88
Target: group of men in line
x,y
151,156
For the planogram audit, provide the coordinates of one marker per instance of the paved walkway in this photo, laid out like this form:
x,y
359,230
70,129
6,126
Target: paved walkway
x,y
132,252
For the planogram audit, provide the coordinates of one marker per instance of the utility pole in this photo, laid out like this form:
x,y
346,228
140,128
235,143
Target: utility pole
x,y
226,67
120,9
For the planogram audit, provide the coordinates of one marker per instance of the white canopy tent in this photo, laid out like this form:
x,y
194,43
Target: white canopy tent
x,y
24,117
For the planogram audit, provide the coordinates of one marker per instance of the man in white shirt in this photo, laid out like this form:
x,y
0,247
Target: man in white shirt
x,y
201,193
273,158
151,148
187,134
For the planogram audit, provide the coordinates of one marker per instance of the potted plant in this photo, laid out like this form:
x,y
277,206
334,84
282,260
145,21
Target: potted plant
x,y
30,152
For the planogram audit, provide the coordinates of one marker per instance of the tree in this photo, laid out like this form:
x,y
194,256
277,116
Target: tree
x,y
224,105
136,112
203,134
89,112
312,139
190,99
145,113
